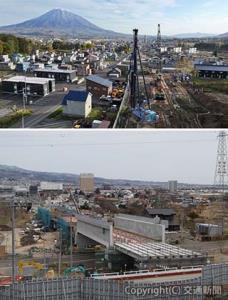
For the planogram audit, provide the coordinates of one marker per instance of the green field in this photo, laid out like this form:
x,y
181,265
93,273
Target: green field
x,y
212,85
11,119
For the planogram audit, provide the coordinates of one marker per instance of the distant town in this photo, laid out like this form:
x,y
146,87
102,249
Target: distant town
x,y
97,231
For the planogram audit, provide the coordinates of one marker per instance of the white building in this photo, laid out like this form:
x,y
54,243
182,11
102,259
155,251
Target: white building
x,y
77,103
51,186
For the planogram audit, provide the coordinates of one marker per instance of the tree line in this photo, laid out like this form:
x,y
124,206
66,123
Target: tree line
x,y
10,44
212,46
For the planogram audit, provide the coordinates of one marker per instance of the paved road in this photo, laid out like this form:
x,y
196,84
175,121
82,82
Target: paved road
x,y
41,110
43,107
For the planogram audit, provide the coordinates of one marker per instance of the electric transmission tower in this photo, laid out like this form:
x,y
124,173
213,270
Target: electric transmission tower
x,y
221,172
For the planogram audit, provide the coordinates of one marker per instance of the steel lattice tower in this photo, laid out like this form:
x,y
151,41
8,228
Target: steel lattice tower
x,y
221,172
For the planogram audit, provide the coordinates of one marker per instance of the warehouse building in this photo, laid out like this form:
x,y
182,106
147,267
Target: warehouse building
x,y
98,86
212,71
51,186
34,85
77,103
68,76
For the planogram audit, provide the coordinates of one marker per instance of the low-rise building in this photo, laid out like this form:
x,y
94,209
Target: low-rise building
x,y
124,68
68,76
165,214
98,86
23,67
77,103
51,186
114,73
212,71
34,85
6,66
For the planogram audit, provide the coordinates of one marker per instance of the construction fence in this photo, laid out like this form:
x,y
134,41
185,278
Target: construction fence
x,y
209,284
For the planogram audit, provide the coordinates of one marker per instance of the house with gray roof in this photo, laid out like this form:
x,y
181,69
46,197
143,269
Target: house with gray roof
x,y
98,86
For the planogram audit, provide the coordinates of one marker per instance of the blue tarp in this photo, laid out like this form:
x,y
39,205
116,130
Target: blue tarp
x,y
145,115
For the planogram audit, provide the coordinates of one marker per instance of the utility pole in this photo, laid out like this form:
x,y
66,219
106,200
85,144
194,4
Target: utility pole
x,y
71,245
221,172
24,90
13,241
134,70
60,252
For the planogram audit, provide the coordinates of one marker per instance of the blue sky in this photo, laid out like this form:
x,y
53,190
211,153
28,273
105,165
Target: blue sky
x,y
187,156
176,16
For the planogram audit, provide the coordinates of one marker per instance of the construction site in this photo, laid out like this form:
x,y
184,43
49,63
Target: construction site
x,y
68,254
165,95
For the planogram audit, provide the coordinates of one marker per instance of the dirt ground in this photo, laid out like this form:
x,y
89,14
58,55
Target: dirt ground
x,y
217,249
215,106
222,98
47,241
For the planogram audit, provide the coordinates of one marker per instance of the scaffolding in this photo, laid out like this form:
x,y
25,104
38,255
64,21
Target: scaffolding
x,y
44,215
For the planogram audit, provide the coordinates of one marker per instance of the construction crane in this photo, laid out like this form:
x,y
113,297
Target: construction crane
x,y
140,107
